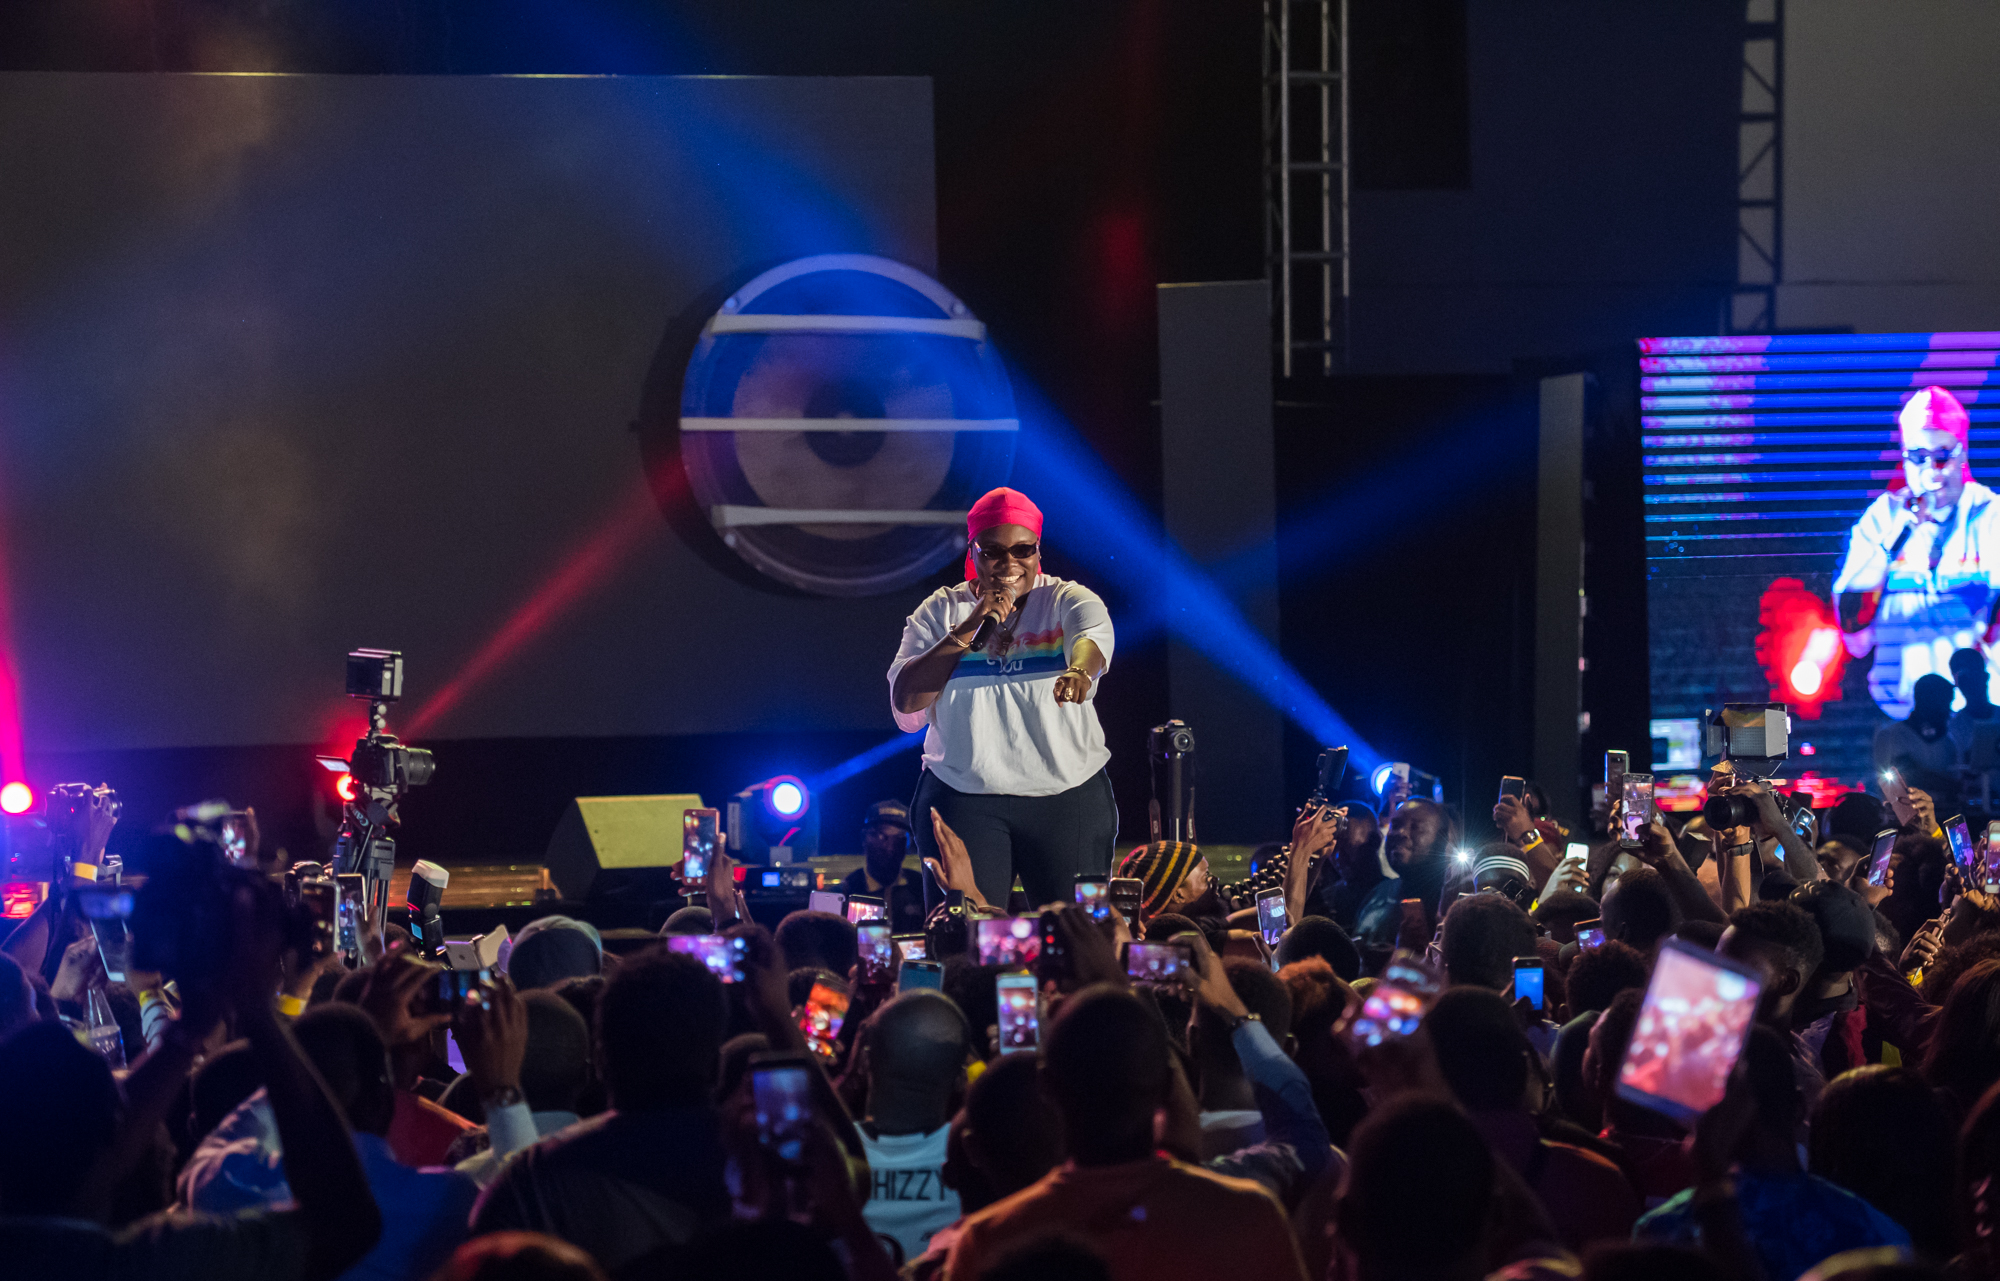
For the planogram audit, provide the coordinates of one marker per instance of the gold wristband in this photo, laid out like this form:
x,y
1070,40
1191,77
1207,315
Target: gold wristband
x,y
291,1006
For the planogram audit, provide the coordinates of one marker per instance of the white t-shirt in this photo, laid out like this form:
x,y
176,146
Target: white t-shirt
x,y
997,728
908,1201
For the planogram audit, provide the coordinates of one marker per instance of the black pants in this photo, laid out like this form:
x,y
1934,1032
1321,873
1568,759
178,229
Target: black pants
x,y
1048,840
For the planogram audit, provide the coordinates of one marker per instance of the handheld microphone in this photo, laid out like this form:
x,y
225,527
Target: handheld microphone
x,y
985,632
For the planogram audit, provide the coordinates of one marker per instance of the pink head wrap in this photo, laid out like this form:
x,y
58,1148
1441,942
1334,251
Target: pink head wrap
x,y
1933,409
1001,506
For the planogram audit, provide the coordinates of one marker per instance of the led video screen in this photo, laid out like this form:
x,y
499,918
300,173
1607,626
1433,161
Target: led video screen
x,y
1818,533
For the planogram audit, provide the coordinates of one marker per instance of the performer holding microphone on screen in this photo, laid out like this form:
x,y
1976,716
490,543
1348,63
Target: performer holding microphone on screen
x,y
1916,585
1003,668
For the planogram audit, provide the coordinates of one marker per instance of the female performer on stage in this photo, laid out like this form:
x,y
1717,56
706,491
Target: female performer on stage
x,y
1014,761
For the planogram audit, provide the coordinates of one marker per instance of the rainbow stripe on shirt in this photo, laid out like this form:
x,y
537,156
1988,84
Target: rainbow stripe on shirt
x,y
1031,654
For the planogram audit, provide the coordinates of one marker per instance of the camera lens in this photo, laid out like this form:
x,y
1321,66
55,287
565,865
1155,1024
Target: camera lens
x,y
1728,810
418,766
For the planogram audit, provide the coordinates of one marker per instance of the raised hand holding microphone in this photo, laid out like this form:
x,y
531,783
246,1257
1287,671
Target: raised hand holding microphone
x,y
996,605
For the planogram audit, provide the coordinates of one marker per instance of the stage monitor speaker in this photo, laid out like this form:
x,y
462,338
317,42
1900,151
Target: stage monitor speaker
x,y
618,846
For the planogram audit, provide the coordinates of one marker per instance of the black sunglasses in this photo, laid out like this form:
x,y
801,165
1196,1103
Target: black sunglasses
x,y
1019,551
1935,457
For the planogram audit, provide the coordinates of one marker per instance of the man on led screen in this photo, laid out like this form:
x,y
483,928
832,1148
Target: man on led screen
x,y
1916,583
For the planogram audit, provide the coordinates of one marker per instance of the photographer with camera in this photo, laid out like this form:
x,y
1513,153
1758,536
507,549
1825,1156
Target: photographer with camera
x,y
1752,836
79,821
70,1145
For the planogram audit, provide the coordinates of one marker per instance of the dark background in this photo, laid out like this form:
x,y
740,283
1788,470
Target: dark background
x,y
1534,181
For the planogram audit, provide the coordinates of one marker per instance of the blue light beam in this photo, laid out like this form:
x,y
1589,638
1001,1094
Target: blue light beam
x,y
1101,525
863,761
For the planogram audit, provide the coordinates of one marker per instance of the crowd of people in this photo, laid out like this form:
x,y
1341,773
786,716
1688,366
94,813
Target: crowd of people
x,y
583,1113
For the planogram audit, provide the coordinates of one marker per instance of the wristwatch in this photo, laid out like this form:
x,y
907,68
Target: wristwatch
x,y
504,1097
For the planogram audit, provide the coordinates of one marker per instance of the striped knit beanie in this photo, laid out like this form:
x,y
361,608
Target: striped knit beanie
x,y
1492,867
1162,865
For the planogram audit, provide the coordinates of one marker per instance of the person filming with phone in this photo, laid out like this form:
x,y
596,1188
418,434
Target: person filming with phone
x,y
1002,670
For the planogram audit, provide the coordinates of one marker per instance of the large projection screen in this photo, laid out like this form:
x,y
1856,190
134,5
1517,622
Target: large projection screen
x,y
1775,473
295,364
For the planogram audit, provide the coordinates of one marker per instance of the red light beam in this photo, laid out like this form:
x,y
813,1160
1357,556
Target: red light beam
x,y
585,569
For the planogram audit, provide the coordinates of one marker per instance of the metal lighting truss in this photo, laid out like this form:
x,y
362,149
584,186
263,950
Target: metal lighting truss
x,y
1306,168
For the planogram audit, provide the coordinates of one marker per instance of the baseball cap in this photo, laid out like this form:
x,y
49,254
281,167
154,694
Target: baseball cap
x,y
892,813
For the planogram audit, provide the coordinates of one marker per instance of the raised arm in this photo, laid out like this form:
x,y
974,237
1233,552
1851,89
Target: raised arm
x,y
1800,864
923,677
1313,834
342,1221
1657,848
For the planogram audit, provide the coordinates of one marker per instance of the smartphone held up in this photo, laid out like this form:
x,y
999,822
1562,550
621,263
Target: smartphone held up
x,y
1637,793
781,1092
1020,1015
1012,941
1396,1006
877,952
700,832
1692,1026
1271,920
725,958
824,1012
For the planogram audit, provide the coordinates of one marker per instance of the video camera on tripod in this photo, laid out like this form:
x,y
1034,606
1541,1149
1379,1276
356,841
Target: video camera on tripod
x,y
382,769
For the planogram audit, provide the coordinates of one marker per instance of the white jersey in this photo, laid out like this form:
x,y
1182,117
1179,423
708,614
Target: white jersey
x,y
997,729
909,1201
1935,593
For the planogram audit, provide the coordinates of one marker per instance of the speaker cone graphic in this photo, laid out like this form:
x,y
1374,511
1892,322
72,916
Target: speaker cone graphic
x,y
838,417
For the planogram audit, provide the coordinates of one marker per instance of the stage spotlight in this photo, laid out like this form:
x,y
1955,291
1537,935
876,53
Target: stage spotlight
x,y
773,822
786,796
1422,785
17,798
1463,856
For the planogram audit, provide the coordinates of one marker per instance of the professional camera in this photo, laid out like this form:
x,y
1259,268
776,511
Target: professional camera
x,y
381,769
1332,772
1724,810
381,766
1755,739
70,804
181,917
